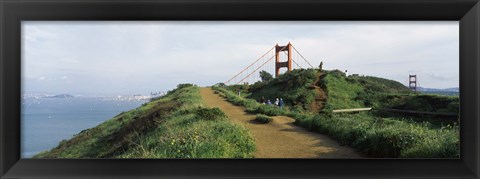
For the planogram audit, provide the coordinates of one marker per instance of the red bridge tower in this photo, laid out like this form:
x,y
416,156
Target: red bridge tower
x,y
412,84
288,63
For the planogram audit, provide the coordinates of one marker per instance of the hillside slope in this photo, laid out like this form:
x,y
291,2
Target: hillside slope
x,y
293,87
375,134
177,125
358,91
312,90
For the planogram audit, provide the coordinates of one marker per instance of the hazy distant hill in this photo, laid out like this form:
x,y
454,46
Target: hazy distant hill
x,y
446,91
60,96
437,89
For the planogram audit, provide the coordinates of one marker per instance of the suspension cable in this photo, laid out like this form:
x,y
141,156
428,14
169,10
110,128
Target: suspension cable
x,y
302,56
260,66
256,69
299,66
249,66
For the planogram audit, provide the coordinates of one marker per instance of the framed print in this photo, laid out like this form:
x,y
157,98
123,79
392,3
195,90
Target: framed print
x,y
360,111
243,89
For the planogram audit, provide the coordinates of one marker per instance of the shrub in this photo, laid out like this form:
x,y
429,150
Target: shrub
x,y
292,86
263,118
210,113
269,110
185,85
385,137
265,76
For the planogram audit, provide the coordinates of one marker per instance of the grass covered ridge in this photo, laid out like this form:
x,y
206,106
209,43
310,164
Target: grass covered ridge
x,y
292,87
341,93
368,91
177,125
377,136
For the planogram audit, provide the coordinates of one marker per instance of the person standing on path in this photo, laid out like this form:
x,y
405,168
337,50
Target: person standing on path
x,y
282,103
276,102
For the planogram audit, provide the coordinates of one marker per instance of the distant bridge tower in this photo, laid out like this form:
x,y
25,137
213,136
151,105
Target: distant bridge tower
x,y
266,63
288,63
412,82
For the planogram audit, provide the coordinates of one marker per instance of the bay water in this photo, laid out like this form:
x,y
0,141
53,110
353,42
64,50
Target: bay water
x,y
47,121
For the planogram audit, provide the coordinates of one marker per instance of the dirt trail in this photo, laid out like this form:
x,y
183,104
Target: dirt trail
x,y
320,95
280,138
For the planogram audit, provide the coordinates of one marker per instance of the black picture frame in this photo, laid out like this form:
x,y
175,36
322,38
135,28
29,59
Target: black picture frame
x,y
12,12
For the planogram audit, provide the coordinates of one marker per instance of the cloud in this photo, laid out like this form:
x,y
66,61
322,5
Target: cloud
x,y
139,57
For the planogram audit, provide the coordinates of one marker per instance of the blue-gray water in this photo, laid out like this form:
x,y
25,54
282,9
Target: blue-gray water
x,y
47,121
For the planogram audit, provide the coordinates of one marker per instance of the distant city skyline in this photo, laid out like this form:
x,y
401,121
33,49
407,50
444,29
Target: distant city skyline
x,y
115,58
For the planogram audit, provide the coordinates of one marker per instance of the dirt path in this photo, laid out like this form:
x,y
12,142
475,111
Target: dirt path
x,y
320,95
280,138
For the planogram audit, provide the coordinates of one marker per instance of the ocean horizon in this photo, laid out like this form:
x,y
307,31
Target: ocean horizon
x,y
47,121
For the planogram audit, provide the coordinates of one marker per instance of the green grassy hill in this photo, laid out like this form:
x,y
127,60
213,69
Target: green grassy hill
x,y
343,92
177,125
377,135
358,91
292,87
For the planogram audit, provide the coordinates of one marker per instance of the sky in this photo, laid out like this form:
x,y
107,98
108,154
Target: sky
x,y
132,57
